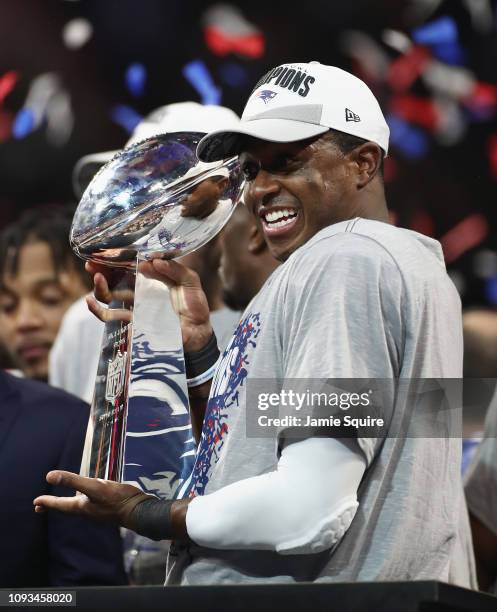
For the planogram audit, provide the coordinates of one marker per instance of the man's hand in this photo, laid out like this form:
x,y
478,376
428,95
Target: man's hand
x,y
187,296
107,501
99,499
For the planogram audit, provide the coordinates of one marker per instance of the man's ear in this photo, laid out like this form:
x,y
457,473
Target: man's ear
x,y
368,158
256,242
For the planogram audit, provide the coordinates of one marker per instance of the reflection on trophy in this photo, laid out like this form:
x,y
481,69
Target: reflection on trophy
x,y
153,199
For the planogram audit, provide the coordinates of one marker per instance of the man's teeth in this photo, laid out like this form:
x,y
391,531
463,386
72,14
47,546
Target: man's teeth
x,y
279,218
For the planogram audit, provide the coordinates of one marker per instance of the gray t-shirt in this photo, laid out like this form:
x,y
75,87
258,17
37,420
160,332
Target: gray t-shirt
x,y
361,299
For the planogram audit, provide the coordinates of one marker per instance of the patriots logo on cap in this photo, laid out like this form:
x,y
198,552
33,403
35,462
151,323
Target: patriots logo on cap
x,y
267,95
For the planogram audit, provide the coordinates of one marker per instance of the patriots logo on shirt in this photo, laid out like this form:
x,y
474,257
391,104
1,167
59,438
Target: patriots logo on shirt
x,y
159,446
266,95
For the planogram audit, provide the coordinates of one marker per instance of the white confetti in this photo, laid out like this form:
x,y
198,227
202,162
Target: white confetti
x,y
397,40
77,33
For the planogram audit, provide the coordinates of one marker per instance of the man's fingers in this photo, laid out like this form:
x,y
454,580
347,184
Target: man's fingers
x,y
177,272
92,487
107,314
101,288
72,505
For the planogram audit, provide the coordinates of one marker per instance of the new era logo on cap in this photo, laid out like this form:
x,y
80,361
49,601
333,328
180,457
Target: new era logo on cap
x,y
350,116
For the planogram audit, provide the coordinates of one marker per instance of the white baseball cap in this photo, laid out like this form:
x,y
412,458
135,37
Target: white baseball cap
x,y
297,101
178,117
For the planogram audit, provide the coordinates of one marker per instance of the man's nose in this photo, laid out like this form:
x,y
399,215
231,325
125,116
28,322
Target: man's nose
x,y
261,190
28,315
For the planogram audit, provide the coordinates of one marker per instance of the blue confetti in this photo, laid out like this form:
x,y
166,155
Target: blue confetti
x,y
443,30
136,78
24,123
126,117
469,448
450,53
409,140
197,74
491,290
233,74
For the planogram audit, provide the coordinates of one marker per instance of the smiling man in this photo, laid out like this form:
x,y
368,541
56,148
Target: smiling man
x,y
354,299
40,278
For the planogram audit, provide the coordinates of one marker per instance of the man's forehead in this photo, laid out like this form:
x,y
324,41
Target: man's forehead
x,y
32,262
259,148
11,283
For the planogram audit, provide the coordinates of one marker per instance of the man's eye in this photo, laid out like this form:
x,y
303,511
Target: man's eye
x,y
7,306
281,163
250,168
51,298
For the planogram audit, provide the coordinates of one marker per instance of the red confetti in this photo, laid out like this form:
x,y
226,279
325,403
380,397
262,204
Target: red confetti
x,y
467,234
483,95
492,155
7,83
250,45
405,70
420,111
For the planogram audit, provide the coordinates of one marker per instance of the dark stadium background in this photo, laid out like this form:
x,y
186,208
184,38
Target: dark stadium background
x,y
448,192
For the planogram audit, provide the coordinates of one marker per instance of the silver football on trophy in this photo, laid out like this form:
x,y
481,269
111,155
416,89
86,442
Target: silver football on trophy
x,y
155,197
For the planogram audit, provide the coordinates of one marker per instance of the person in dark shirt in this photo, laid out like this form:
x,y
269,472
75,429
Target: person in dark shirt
x,y
41,429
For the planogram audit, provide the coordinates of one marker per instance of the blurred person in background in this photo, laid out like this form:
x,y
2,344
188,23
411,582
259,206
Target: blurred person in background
x,y
40,277
481,496
246,261
480,403
6,362
480,373
42,428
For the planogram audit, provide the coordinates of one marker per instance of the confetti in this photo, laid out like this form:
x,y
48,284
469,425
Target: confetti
x,y
448,80
227,31
197,74
492,155
410,141
372,62
126,117
136,78
466,235
77,33
482,101
7,83
60,119
442,30
450,53
396,40
452,125
24,123
481,15
421,111
406,69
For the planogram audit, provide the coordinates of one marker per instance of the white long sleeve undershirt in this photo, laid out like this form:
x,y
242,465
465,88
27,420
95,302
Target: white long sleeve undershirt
x,y
304,506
